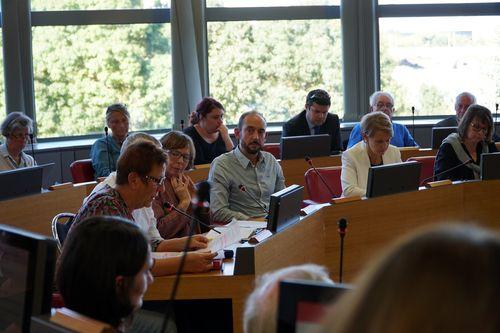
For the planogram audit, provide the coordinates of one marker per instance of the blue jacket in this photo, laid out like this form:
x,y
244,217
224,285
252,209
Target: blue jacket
x,y
103,162
401,137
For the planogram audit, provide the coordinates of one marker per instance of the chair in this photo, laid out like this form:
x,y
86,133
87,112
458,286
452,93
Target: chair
x,y
273,148
82,171
60,227
427,170
318,192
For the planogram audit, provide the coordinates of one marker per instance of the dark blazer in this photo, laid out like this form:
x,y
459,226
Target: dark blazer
x,y
451,121
298,126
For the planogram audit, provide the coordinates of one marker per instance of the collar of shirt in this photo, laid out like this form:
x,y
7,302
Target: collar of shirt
x,y
5,154
311,126
243,160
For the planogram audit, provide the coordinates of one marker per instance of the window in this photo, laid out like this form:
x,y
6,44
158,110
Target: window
x,y
391,2
40,5
269,3
79,70
427,61
271,65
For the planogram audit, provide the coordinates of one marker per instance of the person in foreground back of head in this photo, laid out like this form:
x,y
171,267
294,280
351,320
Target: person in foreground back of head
x,y
247,165
473,138
16,128
261,307
445,279
104,270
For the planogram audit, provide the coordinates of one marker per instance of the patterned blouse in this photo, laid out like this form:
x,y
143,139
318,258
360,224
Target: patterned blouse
x,y
105,202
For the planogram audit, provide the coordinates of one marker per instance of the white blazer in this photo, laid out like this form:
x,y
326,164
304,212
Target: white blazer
x,y
355,165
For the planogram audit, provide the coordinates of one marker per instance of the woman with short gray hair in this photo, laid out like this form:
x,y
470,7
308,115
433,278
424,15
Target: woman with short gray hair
x,y
16,128
374,149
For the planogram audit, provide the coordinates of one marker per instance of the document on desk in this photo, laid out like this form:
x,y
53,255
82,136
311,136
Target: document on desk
x,y
229,234
312,208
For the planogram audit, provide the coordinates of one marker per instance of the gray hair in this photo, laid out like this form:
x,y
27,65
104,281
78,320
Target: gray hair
x,y
136,137
465,94
376,121
16,121
261,306
117,107
375,96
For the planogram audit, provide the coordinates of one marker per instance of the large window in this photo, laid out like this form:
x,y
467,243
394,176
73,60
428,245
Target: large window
x,y
271,65
269,3
426,62
97,4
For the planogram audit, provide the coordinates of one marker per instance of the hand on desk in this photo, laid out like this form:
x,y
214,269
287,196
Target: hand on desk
x,y
197,262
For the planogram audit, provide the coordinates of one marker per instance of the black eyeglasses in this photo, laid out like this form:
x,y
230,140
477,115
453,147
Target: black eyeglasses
x,y
176,154
157,181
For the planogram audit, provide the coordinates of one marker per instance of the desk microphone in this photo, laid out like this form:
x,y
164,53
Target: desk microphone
x,y
170,207
342,228
309,161
107,148
445,171
32,147
413,122
182,125
244,189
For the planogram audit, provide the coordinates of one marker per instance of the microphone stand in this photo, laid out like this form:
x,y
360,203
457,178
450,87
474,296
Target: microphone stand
x,y
32,148
445,171
182,125
168,206
342,228
413,121
107,149
323,180
496,119
243,188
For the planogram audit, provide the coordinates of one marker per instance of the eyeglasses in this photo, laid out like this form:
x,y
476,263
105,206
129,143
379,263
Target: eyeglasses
x,y
19,136
157,181
381,105
177,155
478,128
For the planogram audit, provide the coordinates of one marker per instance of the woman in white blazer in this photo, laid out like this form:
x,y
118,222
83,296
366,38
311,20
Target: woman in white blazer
x,y
376,129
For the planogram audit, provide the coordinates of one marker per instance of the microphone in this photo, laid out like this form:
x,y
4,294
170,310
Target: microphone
x,y
244,189
182,124
107,148
342,228
309,161
32,148
445,171
496,118
170,207
413,122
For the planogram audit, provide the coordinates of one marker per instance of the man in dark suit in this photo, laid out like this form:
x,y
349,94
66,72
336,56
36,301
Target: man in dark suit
x,y
315,119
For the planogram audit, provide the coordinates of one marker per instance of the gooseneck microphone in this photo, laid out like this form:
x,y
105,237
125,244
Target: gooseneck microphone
x,y
182,125
323,180
342,228
413,122
169,206
445,171
242,188
107,148
32,147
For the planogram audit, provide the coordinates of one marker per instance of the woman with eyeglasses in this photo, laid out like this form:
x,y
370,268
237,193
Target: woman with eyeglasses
x,y
179,188
209,134
459,156
16,128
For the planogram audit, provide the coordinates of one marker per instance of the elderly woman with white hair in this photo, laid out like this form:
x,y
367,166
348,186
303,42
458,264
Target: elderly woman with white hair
x,y
16,128
384,102
373,150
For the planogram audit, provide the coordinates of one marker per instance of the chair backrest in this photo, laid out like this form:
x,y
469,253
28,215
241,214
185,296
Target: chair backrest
x,y
82,171
318,192
60,227
427,169
273,148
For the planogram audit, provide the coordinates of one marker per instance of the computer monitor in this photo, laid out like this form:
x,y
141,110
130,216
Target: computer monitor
x,y
393,178
284,208
47,174
302,304
490,166
27,263
439,134
20,182
305,145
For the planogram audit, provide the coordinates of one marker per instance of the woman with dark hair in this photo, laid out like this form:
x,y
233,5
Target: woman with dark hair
x,y
16,128
440,280
104,270
474,137
179,187
208,132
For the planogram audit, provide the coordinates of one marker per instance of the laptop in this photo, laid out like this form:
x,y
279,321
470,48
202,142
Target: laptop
x,y
490,166
439,134
21,182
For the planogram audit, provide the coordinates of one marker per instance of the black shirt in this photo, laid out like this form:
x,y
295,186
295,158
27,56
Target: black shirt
x,y
205,152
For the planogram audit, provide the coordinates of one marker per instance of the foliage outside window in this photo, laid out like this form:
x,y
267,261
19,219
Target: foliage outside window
x,y
40,5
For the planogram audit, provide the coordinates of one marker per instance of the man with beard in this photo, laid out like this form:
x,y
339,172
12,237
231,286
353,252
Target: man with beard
x,y
247,165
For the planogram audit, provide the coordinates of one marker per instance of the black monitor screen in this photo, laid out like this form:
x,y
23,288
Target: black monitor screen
x,y
439,134
305,145
393,178
302,304
27,264
490,166
284,208
20,182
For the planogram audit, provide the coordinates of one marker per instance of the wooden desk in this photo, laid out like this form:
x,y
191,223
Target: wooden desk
x,y
298,244
377,222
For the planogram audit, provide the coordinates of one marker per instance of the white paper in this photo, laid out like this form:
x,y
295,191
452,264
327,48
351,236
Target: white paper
x,y
230,234
252,224
312,208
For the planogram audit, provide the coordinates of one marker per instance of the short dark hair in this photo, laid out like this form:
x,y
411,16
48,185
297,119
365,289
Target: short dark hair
x,y
97,251
480,112
204,107
318,96
139,157
249,113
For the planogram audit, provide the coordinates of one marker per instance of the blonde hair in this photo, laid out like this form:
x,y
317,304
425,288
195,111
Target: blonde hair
x,y
376,121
